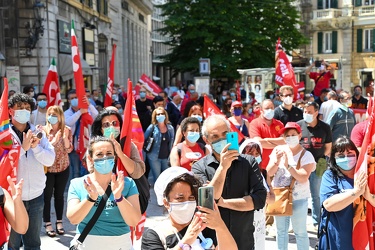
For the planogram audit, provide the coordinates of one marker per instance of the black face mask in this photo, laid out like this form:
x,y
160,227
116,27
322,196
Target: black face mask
x,y
229,105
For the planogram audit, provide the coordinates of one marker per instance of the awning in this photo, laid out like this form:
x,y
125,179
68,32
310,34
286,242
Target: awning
x,y
65,67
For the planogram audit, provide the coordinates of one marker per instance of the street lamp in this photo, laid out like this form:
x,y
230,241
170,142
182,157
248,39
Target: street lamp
x,y
37,29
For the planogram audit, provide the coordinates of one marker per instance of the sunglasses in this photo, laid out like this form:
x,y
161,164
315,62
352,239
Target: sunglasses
x,y
112,123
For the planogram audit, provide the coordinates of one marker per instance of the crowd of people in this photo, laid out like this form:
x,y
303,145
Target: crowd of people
x,y
287,142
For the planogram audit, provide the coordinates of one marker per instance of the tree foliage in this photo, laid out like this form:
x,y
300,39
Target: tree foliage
x,y
234,34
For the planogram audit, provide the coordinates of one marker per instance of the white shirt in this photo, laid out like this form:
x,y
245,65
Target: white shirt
x,y
327,107
38,118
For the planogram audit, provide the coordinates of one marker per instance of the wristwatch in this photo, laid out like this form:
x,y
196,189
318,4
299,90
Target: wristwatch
x,y
184,246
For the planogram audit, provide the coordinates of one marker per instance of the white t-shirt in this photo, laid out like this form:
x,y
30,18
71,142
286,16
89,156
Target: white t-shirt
x,y
327,107
38,118
283,177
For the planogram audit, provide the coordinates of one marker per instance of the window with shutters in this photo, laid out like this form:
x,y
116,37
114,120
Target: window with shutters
x,y
102,7
368,2
87,2
326,4
368,40
327,42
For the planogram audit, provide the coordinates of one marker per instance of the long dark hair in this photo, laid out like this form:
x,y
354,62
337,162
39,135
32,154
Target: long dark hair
x,y
96,129
340,145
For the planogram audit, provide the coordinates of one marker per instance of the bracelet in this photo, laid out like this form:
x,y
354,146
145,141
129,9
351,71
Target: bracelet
x,y
90,199
119,199
184,246
217,201
289,167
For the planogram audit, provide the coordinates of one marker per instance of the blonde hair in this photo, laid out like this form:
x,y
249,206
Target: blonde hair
x,y
60,116
153,117
286,87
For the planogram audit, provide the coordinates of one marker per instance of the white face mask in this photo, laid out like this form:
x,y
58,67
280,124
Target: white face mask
x,y
288,100
268,114
308,118
292,141
182,212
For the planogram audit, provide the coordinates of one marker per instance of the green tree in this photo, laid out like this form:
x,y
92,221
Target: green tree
x,y
234,34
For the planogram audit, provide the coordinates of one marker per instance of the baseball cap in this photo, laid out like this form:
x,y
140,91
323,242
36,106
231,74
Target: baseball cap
x,y
164,178
290,125
236,104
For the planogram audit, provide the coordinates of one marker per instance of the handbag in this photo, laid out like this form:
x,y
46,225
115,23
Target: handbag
x,y
93,219
283,205
150,141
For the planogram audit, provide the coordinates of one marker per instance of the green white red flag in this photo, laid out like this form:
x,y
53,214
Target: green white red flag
x,y
86,119
51,86
111,79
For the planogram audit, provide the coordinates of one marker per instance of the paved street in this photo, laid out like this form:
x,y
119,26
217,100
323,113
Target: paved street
x,y
155,214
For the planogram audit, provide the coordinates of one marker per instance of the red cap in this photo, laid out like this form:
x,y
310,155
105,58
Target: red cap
x,y
236,104
290,125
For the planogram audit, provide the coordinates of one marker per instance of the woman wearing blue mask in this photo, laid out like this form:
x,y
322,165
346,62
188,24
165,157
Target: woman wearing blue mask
x,y
338,191
252,147
163,134
108,123
112,229
186,153
60,136
241,124
292,162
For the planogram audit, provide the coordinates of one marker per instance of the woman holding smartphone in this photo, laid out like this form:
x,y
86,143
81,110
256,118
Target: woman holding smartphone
x,y
177,189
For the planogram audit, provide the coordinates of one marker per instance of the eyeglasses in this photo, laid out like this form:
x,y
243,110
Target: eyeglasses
x,y
289,95
42,99
112,123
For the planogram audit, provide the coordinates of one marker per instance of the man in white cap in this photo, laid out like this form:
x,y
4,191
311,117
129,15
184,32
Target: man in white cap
x,y
320,78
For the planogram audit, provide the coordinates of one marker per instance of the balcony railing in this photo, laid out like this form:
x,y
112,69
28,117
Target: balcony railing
x,y
331,13
365,10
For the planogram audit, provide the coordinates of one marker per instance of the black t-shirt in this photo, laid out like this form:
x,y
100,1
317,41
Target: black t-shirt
x,y
361,103
164,152
143,113
284,115
314,138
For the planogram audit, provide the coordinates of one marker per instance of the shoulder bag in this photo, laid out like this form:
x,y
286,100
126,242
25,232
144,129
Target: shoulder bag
x,y
283,205
93,219
150,141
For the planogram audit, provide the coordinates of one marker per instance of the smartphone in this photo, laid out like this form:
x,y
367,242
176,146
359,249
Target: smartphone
x,y
318,64
206,197
232,138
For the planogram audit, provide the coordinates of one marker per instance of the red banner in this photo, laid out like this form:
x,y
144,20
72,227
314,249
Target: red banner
x,y
86,119
209,108
111,79
9,150
51,86
150,85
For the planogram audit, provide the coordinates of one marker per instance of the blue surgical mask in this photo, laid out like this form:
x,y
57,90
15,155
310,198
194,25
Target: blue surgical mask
x,y
198,117
53,119
74,102
271,96
250,111
104,165
193,136
258,159
237,112
232,94
22,116
142,94
346,163
120,111
160,118
218,145
42,104
111,130
308,117
192,91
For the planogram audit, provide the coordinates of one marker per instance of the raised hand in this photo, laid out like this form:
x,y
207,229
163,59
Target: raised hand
x,y
227,156
196,226
90,188
118,149
117,184
360,183
27,140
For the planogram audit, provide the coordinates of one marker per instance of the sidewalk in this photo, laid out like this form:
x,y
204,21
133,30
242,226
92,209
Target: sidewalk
x,y
154,215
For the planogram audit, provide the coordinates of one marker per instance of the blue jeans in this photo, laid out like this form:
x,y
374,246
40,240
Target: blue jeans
x,y
299,227
31,240
156,165
315,197
74,165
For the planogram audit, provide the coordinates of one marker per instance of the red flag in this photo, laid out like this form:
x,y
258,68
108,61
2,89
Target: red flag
x,y
51,86
284,73
150,85
111,79
9,150
137,132
209,108
364,212
86,119
126,129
